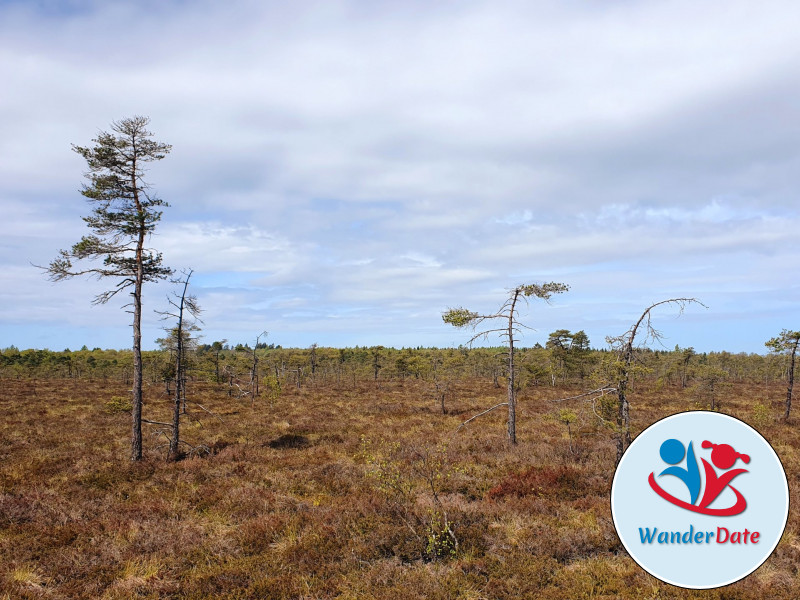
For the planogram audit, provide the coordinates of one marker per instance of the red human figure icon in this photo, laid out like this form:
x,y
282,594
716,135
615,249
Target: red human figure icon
x,y
724,457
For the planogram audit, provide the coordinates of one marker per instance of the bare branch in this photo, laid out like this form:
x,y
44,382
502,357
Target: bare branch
x,y
213,414
480,415
651,334
157,423
624,346
602,391
484,335
104,297
597,414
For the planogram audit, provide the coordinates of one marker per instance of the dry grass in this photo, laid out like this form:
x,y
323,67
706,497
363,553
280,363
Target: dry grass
x,y
333,493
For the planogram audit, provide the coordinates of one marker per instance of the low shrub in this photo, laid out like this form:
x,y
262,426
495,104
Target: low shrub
x,y
119,404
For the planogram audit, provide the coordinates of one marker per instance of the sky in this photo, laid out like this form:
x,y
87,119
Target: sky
x,y
342,172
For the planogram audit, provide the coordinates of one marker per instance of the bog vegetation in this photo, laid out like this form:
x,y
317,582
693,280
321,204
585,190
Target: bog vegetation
x,y
265,472
345,473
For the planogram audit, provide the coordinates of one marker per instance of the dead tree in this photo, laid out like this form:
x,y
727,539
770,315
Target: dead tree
x,y
230,376
376,361
626,348
298,372
313,358
511,329
440,391
617,375
786,343
217,348
254,370
180,336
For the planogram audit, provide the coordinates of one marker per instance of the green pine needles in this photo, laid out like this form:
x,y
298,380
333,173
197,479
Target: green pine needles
x,y
124,215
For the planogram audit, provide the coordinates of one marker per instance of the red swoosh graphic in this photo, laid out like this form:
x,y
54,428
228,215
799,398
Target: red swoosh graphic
x,y
737,508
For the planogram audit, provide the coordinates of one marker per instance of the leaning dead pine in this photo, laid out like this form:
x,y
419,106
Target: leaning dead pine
x,y
510,331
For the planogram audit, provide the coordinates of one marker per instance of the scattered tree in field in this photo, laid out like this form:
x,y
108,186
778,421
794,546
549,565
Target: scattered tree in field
x,y
254,370
534,370
125,214
558,344
579,352
625,346
186,311
313,358
786,343
401,367
297,364
568,352
377,365
509,331
444,378
216,348
686,355
440,391
709,381
614,373
568,417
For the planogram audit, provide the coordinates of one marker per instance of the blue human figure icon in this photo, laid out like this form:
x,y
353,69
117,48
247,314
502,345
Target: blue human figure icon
x,y
672,453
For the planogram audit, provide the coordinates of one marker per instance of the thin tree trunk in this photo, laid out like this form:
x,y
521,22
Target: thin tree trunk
x,y
626,359
791,382
136,410
512,394
254,376
176,423
180,381
623,406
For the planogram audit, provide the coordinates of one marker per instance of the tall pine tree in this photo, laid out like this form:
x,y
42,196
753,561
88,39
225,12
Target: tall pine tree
x,y
125,213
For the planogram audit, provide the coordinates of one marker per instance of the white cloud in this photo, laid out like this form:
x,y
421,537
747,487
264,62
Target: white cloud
x,y
377,157
233,248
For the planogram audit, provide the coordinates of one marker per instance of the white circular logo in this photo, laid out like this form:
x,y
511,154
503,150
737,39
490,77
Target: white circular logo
x,y
700,500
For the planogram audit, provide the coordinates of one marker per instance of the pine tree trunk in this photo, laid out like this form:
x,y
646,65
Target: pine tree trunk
x,y
622,419
512,394
791,383
179,384
623,416
512,401
176,422
136,410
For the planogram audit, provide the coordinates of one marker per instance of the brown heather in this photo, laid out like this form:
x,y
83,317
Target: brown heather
x,y
335,492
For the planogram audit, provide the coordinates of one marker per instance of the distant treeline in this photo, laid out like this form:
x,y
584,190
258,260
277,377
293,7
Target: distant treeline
x,y
561,361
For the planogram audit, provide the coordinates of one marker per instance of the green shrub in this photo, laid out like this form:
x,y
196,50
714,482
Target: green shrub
x,y
760,416
119,404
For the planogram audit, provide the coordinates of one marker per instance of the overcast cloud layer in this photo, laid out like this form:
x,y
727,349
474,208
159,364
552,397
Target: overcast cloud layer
x,y
342,172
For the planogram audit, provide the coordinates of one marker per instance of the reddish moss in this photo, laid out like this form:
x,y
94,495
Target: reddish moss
x,y
562,482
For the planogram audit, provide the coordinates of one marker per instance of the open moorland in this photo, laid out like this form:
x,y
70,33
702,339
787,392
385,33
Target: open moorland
x,y
349,489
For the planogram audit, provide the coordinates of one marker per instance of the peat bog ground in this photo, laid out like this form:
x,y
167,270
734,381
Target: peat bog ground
x,y
337,491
